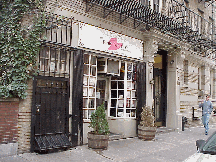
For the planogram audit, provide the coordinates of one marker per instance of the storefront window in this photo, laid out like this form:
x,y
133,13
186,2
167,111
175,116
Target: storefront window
x,y
123,92
119,92
89,85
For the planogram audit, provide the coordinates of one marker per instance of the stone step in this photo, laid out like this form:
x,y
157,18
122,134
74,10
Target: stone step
x,y
115,136
164,130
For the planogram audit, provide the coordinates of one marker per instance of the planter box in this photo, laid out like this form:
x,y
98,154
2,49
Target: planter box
x,y
96,141
146,133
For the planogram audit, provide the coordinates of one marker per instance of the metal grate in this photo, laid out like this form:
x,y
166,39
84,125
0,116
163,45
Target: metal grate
x,y
51,141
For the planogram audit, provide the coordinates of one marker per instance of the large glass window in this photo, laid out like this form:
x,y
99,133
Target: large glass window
x,y
123,92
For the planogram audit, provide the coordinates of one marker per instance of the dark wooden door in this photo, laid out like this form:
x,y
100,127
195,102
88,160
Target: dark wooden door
x,y
158,103
160,88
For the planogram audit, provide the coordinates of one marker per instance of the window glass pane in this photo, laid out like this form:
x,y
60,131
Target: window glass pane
x,y
128,103
85,102
133,103
113,93
113,102
94,70
121,93
86,59
113,84
113,112
86,69
129,68
89,113
133,113
85,114
93,60
121,103
91,103
129,75
120,112
120,84
91,92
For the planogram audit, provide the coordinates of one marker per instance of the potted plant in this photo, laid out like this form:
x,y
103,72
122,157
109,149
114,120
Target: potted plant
x,y
99,137
146,128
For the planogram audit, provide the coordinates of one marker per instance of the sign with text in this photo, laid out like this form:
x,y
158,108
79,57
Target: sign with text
x,y
108,41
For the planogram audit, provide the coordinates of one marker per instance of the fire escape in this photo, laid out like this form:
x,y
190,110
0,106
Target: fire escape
x,y
180,22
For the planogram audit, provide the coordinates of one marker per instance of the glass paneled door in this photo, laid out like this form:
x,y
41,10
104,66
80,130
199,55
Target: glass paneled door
x,y
101,91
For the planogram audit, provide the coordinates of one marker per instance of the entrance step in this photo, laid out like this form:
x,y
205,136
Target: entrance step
x,y
115,136
164,130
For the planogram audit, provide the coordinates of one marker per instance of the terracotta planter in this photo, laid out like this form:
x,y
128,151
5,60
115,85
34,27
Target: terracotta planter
x,y
96,141
146,133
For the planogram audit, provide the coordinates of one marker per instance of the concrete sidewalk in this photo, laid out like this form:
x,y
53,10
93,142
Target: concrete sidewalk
x,y
167,147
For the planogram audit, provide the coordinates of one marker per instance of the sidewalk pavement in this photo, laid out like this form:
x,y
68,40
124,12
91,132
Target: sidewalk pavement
x,y
166,147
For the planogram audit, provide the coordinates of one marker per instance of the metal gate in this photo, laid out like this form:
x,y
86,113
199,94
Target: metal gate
x,y
50,114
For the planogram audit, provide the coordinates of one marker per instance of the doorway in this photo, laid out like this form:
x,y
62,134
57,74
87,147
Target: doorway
x,y
101,91
160,88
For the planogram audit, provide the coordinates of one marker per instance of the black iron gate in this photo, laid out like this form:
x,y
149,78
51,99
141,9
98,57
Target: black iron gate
x,y
50,114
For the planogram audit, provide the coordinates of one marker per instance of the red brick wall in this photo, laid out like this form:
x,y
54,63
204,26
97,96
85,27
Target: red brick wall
x,y
8,121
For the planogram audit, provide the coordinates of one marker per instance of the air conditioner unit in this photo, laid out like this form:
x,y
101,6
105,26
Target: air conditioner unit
x,y
108,66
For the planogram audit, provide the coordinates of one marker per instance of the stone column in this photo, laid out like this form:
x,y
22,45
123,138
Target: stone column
x,y
150,48
205,80
174,79
214,87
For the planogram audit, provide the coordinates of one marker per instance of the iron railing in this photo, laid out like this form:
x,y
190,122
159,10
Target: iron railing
x,y
56,50
180,22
